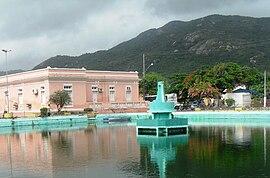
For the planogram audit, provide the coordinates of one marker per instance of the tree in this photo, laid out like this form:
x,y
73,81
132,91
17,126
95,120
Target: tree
x,y
60,98
203,90
176,82
151,80
228,75
222,76
209,81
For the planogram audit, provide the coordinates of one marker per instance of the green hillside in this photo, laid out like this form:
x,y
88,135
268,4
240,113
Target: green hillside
x,y
183,46
11,72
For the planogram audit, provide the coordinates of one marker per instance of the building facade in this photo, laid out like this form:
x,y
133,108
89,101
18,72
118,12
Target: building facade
x,y
30,91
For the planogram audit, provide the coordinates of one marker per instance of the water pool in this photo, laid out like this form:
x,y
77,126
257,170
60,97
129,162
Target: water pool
x,y
104,150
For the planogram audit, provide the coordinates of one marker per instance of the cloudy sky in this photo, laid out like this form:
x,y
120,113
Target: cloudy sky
x,y
36,30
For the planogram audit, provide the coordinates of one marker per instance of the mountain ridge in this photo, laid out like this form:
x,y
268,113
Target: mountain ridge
x,y
181,46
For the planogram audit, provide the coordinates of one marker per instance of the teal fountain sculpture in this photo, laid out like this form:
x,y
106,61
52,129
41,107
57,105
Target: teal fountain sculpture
x,y
162,121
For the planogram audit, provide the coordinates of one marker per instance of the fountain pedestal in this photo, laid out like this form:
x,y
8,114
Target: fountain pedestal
x,y
162,121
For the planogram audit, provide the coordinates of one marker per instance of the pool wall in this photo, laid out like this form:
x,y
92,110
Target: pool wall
x,y
196,115
251,118
224,114
218,117
43,121
43,128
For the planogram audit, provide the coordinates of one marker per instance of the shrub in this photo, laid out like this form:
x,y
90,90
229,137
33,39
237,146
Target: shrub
x,y
43,112
88,110
230,102
256,102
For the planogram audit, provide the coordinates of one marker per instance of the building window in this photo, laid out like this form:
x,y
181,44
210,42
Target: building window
x,y
42,95
68,88
112,93
94,93
94,88
6,100
128,93
20,97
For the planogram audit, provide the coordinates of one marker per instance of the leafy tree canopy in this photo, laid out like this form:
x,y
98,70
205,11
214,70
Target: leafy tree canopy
x,y
60,98
151,80
210,82
228,75
202,90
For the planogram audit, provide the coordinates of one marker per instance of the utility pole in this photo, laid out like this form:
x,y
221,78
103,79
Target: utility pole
x,y
143,76
143,72
264,99
7,92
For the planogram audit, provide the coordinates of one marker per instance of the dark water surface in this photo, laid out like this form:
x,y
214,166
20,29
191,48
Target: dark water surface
x,y
115,151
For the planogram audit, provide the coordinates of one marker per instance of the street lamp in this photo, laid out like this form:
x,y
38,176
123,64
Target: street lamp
x,y
264,89
7,94
144,71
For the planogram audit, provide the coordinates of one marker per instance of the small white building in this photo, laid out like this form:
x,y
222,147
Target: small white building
x,y
242,97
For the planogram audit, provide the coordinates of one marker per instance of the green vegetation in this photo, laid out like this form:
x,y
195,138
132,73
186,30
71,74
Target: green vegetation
x,y
88,110
60,98
150,83
208,82
184,46
43,112
230,102
257,102
11,72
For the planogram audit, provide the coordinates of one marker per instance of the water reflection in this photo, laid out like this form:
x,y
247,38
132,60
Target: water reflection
x,y
95,151
237,135
162,149
228,151
116,151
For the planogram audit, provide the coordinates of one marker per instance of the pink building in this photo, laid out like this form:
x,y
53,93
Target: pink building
x,y
30,91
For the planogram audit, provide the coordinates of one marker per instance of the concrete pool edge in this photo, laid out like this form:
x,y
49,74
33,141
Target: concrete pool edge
x,y
15,122
192,116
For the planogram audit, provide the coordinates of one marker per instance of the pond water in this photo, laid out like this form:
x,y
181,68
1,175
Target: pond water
x,y
116,151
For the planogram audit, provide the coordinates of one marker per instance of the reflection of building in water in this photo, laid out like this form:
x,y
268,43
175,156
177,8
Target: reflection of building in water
x,y
67,151
162,149
92,144
238,135
26,150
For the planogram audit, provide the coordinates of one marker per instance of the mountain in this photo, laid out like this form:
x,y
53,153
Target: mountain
x,y
11,72
183,47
